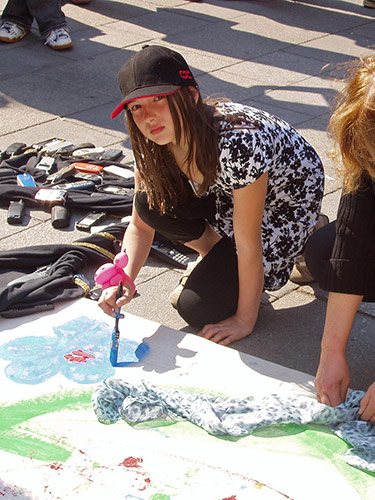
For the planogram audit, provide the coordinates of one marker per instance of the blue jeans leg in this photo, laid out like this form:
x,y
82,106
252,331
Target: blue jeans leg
x,y
47,13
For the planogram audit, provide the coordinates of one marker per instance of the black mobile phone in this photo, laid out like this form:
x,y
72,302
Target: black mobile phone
x,y
60,216
15,212
90,220
111,154
169,255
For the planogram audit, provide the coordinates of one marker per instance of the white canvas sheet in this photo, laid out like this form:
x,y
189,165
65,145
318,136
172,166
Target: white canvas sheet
x,y
52,446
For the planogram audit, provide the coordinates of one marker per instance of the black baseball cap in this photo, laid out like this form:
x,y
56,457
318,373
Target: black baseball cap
x,y
153,71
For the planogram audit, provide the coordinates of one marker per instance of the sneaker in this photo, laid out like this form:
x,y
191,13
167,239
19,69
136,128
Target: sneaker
x,y
59,39
11,32
175,295
369,3
300,273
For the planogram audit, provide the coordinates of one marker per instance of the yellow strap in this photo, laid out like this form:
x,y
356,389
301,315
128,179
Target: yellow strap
x,y
99,249
81,283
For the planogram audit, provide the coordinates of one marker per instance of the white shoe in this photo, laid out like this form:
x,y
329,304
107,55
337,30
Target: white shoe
x,y
11,32
59,39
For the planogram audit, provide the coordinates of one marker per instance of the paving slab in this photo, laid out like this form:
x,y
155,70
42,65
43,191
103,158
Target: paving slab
x,y
287,68
32,58
99,120
69,130
337,48
302,317
282,111
312,96
48,99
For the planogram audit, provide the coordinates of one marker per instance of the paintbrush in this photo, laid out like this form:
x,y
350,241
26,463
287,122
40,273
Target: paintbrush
x,y
116,332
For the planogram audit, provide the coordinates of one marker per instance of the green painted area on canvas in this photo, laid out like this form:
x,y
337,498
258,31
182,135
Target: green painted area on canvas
x,y
15,439
307,440
314,441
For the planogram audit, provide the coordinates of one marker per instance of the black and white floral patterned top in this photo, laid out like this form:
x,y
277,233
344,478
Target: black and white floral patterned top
x,y
295,184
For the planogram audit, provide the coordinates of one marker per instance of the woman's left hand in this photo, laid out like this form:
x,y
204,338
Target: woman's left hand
x,y
367,410
227,331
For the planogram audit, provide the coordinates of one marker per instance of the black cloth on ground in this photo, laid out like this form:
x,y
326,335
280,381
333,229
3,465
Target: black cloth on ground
x,y
90,199
60,281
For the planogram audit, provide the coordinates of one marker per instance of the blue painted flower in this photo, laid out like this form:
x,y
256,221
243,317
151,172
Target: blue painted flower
x,y
79,350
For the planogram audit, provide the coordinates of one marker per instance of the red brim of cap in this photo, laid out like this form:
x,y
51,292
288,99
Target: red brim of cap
x,y
120,108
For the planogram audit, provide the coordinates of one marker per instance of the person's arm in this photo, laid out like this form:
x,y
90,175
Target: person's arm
x,y
348,277
367,410
247,223
332,378
137,244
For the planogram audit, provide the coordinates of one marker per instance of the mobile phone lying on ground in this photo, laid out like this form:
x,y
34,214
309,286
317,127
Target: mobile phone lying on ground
x,y
111,154
169,254
15,212
90,220
116,190
53,145
87,176
25,180
46,164
68,186
124,172
63,173
51,196
91,168
88,152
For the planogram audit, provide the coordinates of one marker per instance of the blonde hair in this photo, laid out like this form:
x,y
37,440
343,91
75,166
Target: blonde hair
x,y
352,124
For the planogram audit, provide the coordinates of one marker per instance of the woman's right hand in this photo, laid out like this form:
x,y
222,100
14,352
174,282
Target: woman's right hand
x,y
107,301
332,378
367,411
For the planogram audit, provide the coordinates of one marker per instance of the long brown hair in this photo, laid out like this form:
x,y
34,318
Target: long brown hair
x,y
352,124
161,178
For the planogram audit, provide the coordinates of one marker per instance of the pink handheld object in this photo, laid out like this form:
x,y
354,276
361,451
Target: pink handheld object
x,y
111,274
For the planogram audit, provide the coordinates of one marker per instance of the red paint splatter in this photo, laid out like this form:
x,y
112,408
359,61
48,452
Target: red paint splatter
x,y
233,497
78,356
132,462
55,466
147,480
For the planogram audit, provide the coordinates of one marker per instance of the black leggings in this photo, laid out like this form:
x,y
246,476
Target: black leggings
x,y
319,248
211,291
